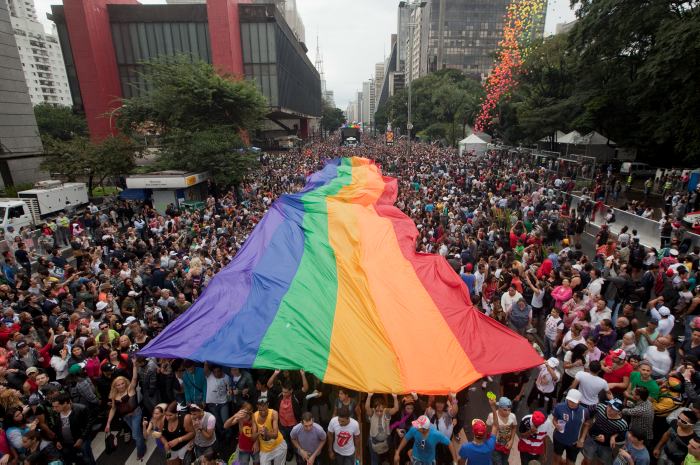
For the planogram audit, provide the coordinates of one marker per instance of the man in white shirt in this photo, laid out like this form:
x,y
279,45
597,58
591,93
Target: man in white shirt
x,y
590,384
596,285
344,438
666,320
218,386
600,312
659,357
508,299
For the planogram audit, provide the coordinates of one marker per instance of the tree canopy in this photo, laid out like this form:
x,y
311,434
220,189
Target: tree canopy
x,y
200,117
628,70
69,153
331,118
59,122
444,103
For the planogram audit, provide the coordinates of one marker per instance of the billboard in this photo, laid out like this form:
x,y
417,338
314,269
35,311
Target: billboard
x,y
390,138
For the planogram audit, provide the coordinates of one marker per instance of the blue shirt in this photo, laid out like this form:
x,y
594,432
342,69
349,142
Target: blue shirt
x,y
424,446
478,454
469,280
572,420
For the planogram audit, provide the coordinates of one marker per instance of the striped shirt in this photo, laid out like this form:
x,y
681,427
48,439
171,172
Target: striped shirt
x,y
606,426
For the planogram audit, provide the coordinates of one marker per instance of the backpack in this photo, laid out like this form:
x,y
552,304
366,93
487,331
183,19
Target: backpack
x,y
380,440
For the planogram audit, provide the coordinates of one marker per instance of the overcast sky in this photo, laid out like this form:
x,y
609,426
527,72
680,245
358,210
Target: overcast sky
x,y
353,36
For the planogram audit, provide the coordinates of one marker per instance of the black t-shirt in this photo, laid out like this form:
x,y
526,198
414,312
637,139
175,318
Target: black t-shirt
x,y
22,256
513,382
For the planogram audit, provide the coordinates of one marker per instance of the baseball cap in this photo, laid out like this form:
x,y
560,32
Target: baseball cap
x,y
553,362
574,395
616,404
129,320
21,345
673,252
478,428
422,422
504,402
108,367
34,399
618,353
538,418
101,306
262,400
664,311
468,267
75,369
31,370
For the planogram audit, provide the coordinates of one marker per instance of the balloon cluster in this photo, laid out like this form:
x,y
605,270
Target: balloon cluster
x,y
523,18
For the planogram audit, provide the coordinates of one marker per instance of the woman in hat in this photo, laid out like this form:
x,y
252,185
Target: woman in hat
x,y
506,430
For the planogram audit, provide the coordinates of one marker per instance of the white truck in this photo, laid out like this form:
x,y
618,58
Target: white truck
x,y
45,199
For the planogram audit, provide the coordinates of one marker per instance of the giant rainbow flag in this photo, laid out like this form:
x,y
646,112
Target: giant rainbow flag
x,y
330,282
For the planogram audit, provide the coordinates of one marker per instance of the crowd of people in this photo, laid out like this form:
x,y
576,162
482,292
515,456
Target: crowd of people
x,y
613,320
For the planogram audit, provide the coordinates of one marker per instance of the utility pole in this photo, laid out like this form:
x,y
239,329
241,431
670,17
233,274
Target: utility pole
x,y
411,5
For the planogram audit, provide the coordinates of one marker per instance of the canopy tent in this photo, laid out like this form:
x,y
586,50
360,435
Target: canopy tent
x,y
570,138
330,282
557,137
474,143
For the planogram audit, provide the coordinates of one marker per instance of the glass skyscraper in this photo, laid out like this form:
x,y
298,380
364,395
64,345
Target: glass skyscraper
x,y
463,34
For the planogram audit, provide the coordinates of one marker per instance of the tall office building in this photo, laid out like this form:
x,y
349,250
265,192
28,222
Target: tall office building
x,y
360,107
40,53
378,80
20,145
402,38
460,34
368,103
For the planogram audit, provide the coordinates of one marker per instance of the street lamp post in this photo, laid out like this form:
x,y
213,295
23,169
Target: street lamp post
x,y
411,5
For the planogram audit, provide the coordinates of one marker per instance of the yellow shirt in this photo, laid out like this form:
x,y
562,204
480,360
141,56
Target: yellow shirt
x,y
270,444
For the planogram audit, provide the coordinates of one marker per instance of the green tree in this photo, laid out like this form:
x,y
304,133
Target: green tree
x,y
79,158
443,104
201,117
331,118
59,122
545,101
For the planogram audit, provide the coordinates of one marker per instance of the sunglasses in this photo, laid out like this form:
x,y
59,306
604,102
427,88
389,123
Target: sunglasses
x,y
422,444
683,421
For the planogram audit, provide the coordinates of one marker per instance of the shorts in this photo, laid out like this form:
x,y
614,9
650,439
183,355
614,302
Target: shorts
x,y
178,454
571,451
593,450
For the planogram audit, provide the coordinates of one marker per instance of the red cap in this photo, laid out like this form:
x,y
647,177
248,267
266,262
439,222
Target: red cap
x,y
468,267
538,418
478,428
670,272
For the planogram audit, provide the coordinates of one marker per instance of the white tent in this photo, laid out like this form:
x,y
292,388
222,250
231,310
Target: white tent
x,y
557,137
574,137
474,143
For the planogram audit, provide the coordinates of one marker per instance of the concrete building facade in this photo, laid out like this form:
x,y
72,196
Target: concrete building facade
x,y
20,145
